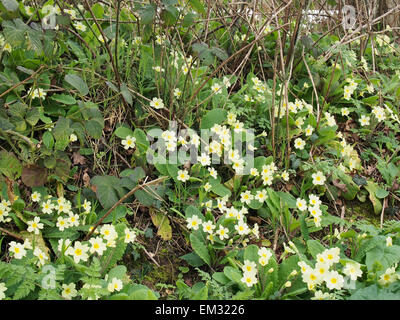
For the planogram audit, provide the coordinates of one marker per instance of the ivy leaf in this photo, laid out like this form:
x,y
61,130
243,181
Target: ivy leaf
x,y
108,190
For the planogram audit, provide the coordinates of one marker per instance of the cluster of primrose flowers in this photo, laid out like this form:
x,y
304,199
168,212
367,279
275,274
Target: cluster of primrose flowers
x,y
258,91
350,156
79,251
214,230
349,89
70,291
325,276
62,208
66,218
313,208
384,44
250,270
5,209
106,237
324,273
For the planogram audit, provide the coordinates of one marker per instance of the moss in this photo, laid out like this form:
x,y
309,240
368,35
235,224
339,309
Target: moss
x,y
161,274
363,210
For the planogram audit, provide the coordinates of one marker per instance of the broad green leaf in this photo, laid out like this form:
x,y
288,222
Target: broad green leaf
x,y
108,190
10,166
170,15
64,99
118,272
142,142
373,292
233,274
286,267
142,294
315,247
118,213
221,278
251,253
351,188
215,116
381,193
218,188
193,259
61,133
197,5
148,14
10,5
126,94
191,211
123,132
98,10
94,129
202,294
200,248
383,255
78,83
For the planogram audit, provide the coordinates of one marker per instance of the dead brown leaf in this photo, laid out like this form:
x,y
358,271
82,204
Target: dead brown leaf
x,y
369,170
86,180
78,159
341,186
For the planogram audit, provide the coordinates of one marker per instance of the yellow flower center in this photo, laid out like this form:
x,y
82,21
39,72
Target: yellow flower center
x,y
386,277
